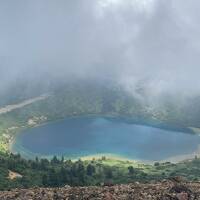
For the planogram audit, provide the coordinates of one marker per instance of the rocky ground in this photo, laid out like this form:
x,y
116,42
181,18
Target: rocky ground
x,y
165,190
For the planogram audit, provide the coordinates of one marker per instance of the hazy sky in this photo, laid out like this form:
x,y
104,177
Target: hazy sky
x,y
152,41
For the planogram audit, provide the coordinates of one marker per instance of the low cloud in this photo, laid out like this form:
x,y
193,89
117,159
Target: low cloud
x,y
153,43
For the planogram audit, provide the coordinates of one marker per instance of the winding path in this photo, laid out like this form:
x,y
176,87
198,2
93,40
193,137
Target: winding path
x,y
10,108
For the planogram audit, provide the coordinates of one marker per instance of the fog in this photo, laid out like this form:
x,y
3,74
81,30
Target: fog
x,y
153,43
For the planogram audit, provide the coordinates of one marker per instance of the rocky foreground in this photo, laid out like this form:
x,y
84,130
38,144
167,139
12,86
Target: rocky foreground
x,y
165,190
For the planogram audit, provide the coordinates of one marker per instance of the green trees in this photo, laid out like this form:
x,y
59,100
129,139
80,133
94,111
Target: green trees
x,y
45,180
131,170
44,163
58,173
55,160
64,175
156,164
53,180
108,172
55,173
90,170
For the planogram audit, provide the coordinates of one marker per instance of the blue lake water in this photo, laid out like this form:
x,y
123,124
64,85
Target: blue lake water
x,y
84,136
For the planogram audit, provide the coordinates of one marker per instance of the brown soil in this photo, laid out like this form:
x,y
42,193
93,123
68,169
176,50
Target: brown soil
x,y
165,190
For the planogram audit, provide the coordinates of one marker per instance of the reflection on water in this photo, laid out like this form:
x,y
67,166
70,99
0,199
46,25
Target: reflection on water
x,y
77,137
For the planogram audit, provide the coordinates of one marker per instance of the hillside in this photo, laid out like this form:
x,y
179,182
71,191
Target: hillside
x,y
16,172
165,190
89,99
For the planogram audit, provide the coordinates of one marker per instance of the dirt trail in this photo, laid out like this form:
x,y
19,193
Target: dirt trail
x,y
10,108
13,175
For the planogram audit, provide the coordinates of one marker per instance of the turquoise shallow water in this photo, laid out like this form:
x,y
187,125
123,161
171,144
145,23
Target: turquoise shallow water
x,y
84,136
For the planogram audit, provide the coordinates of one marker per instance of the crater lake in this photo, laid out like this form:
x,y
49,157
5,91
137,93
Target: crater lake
x,y
87,136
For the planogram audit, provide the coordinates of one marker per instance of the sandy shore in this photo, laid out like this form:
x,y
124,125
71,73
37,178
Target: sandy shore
x,y
184,157
113,157
174,159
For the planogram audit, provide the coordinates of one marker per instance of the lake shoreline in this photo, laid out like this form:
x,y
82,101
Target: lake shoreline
x,y
173,159
30,155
